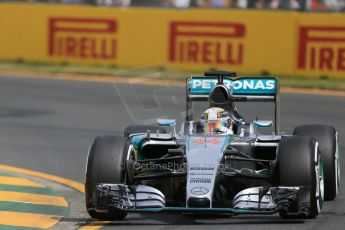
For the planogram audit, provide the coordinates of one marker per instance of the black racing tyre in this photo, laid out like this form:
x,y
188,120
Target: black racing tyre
x,y
129,130
297,167
326,136
105,163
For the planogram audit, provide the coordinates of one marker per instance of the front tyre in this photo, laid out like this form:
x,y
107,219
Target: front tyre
x,y
327,138
105,164
300,164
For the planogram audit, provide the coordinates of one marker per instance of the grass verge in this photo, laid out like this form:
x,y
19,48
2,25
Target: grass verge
x,y
19,67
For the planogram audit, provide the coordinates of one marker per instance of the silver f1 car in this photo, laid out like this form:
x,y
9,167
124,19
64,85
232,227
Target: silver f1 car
x,y
207,168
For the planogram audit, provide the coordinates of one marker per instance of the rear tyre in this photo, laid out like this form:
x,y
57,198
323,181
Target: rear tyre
x,y
105,164
300,164
328,144
129,130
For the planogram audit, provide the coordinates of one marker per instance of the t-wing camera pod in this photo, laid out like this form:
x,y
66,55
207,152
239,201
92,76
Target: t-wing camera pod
x,y
220,75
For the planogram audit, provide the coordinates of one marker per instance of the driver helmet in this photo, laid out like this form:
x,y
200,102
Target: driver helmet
x,y
217,120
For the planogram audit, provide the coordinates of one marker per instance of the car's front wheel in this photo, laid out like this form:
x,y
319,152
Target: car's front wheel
x,y
300,164
327,138
105,164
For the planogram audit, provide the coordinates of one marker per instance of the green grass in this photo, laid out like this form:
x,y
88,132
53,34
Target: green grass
x,y
322,82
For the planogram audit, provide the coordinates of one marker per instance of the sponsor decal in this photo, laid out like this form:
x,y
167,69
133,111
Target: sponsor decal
x,y
202,140
82,38
200,174
241,86
199,191
202,168
200,180
321,48
207,43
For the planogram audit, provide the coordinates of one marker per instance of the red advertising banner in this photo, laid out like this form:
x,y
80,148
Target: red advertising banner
x,y
207,42
79,38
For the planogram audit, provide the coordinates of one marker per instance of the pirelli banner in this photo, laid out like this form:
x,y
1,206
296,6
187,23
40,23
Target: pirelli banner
x,y
191,40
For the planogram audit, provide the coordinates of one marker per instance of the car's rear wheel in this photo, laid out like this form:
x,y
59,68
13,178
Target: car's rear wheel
x,y
300,164
328,143
133,129
105,164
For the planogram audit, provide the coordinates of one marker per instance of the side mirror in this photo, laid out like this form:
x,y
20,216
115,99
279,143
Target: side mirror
x,y
260,124
166,122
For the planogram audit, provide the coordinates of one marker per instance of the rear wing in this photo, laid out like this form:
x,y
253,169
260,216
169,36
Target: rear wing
x,y
242,89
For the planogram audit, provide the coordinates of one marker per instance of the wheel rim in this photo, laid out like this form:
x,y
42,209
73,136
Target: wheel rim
x,y
337,168
322,181
129,156
320,185
130,152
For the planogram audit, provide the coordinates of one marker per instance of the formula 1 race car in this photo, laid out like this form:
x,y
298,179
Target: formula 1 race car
x,y
217,164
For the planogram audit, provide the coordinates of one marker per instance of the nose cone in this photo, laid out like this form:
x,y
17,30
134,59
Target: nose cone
x,y
204,155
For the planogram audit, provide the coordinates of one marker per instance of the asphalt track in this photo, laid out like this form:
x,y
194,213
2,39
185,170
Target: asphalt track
x,y
48,125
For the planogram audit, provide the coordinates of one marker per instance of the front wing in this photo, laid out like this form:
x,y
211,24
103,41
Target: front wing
x,y
257,200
